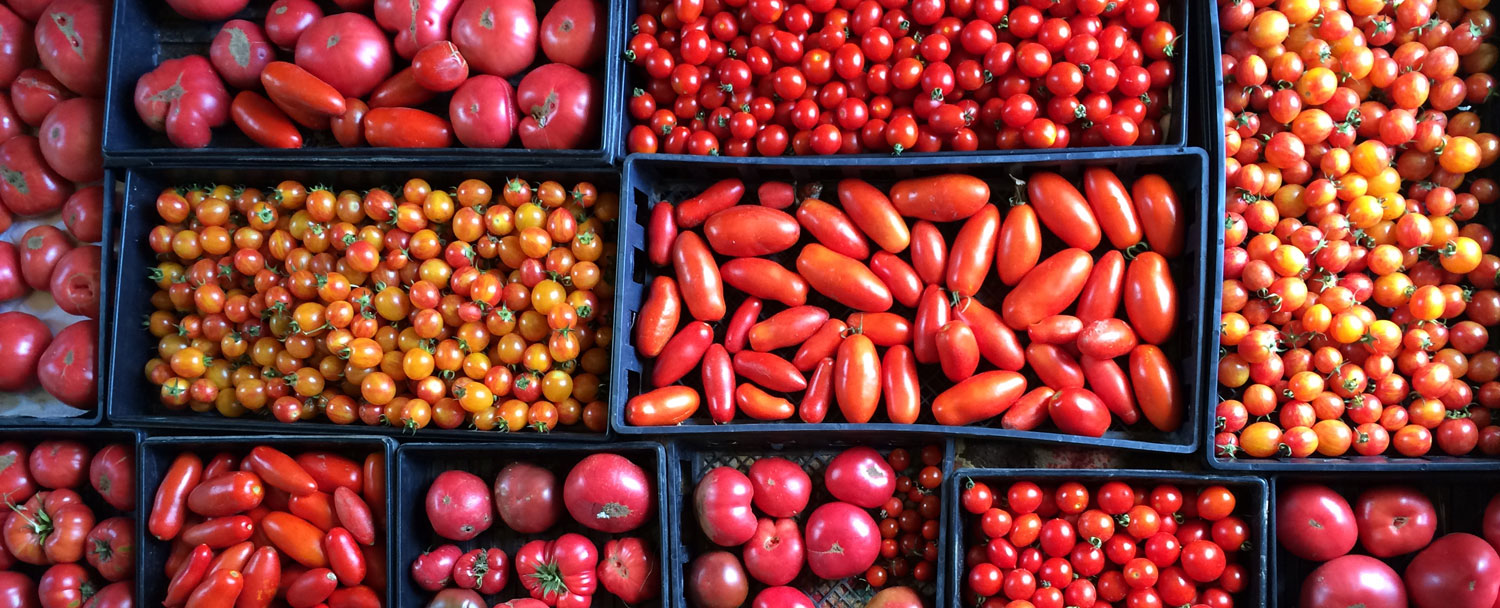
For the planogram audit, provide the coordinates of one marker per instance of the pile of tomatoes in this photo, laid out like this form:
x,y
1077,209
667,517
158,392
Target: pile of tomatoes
x,y
772,77
1359,284
1113,544
51,124
338,72
250,527
605,493
1457,570
449,307
838,538
69,530
1092,314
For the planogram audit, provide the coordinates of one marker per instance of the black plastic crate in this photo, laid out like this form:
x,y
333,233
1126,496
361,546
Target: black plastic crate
x,y
109,244
155,455
418,464
813,456
1459,500
1435,460
1252,504
1184,102
133,400
148,32
649,179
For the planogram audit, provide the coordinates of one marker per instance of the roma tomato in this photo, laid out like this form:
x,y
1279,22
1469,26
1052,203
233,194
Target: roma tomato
x,y
1047,289
1063,210
1151,297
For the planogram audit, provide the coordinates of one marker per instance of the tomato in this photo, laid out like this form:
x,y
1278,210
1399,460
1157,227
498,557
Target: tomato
x,y
502,54
23,339
75,281
31,187
839,525
874,214
263,122
983,396
70,138
240,51
780,487
722,503
42,247
716,579
1063,210
607,492
860,476
66,368
287,19
942,198
773,555
1150,297
560,106
73,44
458,505
457,598
843,279
62,527
526,497
1314,523
776,597
664,406
1458,569
348,51
1078,411
629,570
1394,521
1047,289
64,585
12,280
750,231
406,128
574,32
416,24
17,590
1161,215
111,551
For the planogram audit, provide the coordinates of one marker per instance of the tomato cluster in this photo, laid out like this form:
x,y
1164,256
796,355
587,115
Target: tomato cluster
x,y
604,492
424,306
1114,545
338,73
53,57
262,525
772,77
1359,284
55,524
837,539
1457,570
881,255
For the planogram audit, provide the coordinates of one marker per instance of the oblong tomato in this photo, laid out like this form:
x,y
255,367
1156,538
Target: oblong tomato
x,y
406,128
1111,204
1106,339
349,128
873,212
297,539
263,122
1161,215
883,328
1029,412
1110,384
1100,298
698,277
1077,411
997,343
761,405
1056,329
786,328
941,198
1019,245
981,397
932,314
1054,366
661,230
898,276
682,353
1063,210
1048,289
769,371
856,379
842,278
291,86
824,343
718,383
898,382
1157,390
1151,297
722,195
401,90
929,254
973,250
833,228
658,316
751,230
958,352
665,406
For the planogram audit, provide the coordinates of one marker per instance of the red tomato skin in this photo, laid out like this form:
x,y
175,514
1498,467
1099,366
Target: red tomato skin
x,y
1048,289
1111,204
1161,215
903,396
1151,298
665,406
717,197
1394,520
1100,298
1078,411
997,343
763,278
1314,523
346,50
505,51
873,212
973,250
681,354
23,339
1019,245
941,198
1063,209
1457,569
698,275
661,232
1157,389
856,379
932,314
718,384
844,279
833,228
982,396
658,317
1112,386
67,368
750,231
559,108
898,276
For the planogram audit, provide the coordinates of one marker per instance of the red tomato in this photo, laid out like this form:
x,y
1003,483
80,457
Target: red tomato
x,y
70,139
574,32
1458,569
67,370
501,53
73,44
561,107
607,492
348,51
860,476
23,339
483,111
75,281
841,540
1394,521
1315,523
